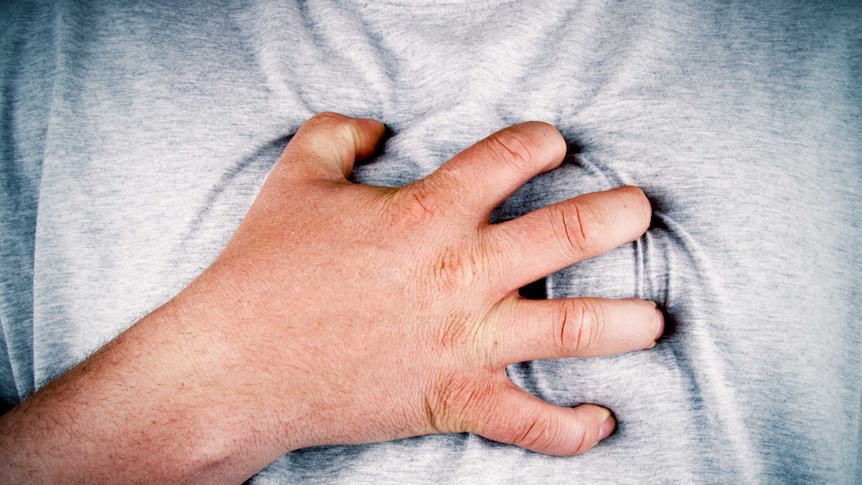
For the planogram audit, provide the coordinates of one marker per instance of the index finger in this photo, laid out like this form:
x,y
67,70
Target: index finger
x,y
482,176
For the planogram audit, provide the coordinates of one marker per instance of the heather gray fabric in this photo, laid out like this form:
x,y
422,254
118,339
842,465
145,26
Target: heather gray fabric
x,y
134,138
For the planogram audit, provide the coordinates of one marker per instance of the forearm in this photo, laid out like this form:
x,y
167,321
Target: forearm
x,y
154,405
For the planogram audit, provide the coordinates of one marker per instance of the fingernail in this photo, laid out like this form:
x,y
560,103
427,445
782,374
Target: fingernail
x,y
607,427
659,315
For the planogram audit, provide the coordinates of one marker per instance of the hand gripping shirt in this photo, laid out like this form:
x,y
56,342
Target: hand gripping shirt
x,y
136,135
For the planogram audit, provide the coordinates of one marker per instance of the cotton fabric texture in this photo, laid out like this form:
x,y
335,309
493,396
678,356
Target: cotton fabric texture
x,y
135,135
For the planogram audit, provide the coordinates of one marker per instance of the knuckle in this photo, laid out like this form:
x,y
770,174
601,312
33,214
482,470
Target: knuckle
x,y
580,326
537,433
514,150
325,121
456,268
423,206
576,228
329,134
420,203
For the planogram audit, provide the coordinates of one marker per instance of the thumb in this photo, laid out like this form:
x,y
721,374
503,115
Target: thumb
x,y
328,144
526,421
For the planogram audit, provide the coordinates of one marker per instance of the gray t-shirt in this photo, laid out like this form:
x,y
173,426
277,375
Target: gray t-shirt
x,y
135,135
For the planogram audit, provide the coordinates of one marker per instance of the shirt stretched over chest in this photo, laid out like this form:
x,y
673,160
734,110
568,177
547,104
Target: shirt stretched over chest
x,y
135,137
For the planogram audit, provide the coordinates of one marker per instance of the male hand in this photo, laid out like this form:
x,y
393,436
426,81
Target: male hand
x,y
342,313
395,311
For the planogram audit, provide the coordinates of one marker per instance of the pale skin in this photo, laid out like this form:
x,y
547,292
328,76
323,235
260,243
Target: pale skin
x,y
342,314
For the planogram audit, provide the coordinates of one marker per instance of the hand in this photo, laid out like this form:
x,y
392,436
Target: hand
x,y
342,313
395,311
